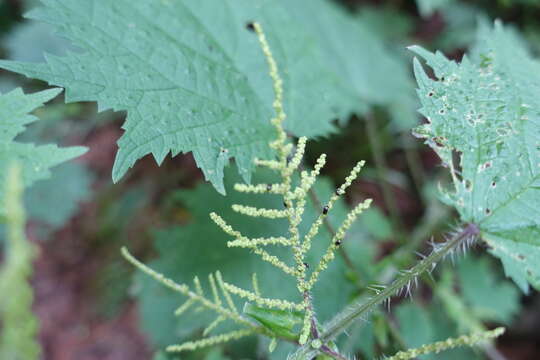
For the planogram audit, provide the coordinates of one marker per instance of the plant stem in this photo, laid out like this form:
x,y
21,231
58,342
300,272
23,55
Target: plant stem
x,y
435,216
345,318
381,167
413,162
325,349
313,320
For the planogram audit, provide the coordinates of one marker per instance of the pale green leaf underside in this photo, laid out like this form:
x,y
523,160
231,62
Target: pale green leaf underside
x,y
190,76
487,109
36,161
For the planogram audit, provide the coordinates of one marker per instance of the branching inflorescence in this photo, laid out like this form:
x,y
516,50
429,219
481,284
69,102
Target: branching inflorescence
x,y
294,195
275,317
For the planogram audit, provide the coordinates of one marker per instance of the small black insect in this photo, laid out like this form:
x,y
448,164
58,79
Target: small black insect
x,y
250,26
289,158
285,204
338,192
306,265
269,187
337,243
325,209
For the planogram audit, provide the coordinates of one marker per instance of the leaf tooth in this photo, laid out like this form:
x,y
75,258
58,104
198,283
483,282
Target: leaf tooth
x,y
420,75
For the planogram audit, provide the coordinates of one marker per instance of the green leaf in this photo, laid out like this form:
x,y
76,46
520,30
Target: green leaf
x,y
189,74
490,298
387,21
70,182
280,322
192,77
461,21
216,354
487,110
415,324
36,161
200,248
424,325
376,223
360,58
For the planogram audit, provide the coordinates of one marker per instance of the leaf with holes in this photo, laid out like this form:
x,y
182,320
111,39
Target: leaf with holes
x,y
190,75
35,160
486,110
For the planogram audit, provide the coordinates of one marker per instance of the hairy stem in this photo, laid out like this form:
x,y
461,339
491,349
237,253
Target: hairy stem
x,y
435,217
344,319
337,356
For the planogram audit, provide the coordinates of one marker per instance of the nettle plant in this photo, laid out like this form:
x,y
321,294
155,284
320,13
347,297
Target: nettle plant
x,y
296,321
192,82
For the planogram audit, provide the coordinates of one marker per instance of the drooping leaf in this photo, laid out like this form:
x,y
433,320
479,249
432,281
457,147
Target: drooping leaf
x,y
36,161
189,74
487,110
200,247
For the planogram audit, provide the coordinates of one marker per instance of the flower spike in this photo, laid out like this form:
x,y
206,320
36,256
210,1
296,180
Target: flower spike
x,y
293,190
